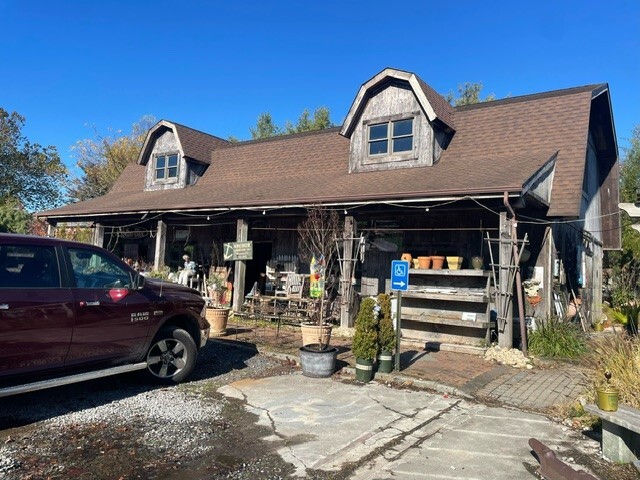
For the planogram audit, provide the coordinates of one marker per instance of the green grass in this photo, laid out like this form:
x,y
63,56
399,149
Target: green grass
x,y
555,339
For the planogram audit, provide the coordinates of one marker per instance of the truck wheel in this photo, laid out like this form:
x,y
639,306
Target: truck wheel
x,y
171,356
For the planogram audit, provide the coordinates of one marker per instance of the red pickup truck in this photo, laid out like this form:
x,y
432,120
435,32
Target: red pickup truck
x,y
71,312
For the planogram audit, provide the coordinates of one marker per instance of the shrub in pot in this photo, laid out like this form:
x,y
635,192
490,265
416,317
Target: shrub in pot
x,y
365,340
386,335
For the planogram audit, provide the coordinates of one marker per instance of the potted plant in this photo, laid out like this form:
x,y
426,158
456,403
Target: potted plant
x,y
386,335
365,340
607,395
317,241
217,312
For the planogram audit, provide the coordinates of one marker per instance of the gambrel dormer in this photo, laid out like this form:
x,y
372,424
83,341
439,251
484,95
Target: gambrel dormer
x,y
176,156
397,121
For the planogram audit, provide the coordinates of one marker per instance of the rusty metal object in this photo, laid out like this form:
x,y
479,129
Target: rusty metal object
x,y
551,468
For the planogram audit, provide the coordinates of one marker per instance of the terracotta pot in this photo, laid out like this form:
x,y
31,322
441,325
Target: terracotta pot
x,y
406,257
425,262
437,262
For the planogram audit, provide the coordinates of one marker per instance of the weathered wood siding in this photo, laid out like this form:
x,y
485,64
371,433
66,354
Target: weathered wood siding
x,y
165,143
394,100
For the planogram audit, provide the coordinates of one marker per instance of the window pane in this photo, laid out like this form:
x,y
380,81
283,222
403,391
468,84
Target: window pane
x,y
404,144
92,270
403,127
160,162
28,267
173,172
173,161
377,132
159,174
376,148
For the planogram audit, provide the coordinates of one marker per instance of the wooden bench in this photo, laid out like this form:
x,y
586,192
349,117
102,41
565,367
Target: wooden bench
x,y
620,433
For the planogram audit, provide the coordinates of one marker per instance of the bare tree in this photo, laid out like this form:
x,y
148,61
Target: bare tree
x,y
317,238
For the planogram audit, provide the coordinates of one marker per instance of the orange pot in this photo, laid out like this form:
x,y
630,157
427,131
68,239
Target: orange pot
x,y
424,262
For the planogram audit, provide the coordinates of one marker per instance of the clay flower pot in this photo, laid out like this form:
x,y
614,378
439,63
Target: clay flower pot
x,y
424,262
437,262
407,258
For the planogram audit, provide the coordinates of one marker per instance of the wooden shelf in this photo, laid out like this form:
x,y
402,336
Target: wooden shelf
x,y
461,295
452,273
458,322
447,306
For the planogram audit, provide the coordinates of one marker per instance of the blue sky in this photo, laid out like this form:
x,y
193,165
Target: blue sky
x,y
72,66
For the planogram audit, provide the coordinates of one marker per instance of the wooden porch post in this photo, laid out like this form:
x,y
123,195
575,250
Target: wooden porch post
x,y
161,243
505,334
346,290
242,233
51,230
98,235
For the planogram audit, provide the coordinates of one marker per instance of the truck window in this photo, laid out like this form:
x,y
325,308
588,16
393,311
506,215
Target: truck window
x,y
28,266
93,270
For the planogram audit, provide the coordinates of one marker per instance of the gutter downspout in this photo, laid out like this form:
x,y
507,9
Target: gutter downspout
x,y
516,257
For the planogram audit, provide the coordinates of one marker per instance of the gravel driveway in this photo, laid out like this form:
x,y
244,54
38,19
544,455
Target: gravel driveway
x,y
119,428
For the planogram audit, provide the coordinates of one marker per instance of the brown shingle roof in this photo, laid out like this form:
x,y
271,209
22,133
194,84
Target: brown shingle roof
x,y
497,146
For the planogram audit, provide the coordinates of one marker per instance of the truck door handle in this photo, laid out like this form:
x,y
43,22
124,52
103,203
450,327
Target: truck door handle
x,y
4,306
90,304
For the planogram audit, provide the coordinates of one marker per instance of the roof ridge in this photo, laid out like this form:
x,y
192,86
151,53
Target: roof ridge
x,y
531,96
195,130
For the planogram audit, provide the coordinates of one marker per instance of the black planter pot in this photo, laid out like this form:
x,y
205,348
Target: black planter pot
x,y
318,362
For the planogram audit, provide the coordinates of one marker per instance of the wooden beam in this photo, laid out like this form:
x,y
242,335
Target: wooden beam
x,y
240,269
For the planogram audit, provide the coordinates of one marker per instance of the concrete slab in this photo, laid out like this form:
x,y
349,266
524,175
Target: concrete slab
x,y
391,432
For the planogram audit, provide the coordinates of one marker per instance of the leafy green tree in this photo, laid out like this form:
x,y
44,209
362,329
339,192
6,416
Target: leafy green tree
x,y
266,128
14,218
622,283
468,94
103,158
31,174
321,120
630,169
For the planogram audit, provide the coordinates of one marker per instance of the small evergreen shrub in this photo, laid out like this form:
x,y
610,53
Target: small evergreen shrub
x,y
556,339
365,339
386,333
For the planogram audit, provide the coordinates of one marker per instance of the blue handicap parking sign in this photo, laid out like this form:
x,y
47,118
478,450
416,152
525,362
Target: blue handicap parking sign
x,y
399,275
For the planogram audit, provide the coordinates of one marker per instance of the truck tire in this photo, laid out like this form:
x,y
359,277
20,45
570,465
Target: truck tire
x,y
171,356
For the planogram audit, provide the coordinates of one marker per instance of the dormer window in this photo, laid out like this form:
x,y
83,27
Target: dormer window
x,y
166,168
398,134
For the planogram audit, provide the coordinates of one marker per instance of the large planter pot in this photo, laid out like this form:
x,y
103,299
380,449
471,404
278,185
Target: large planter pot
x,y
318,362
313,333
424,262
454,263
437,262
364,370
217,318
607,399
385,361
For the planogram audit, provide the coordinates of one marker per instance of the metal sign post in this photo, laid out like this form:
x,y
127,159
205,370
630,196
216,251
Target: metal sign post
x,y
399,282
